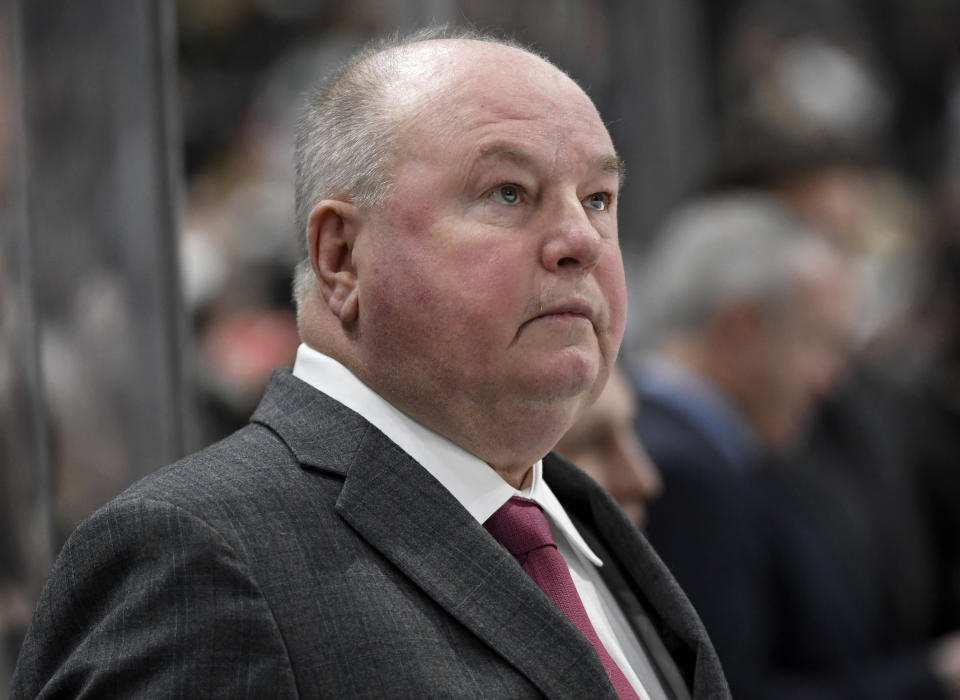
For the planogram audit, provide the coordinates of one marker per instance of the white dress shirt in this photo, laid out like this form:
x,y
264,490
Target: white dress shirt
x,y
482,492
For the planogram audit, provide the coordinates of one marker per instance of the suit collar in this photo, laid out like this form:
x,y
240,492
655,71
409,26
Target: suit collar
x,y
469,479
412,520
674,617
415,523
300,414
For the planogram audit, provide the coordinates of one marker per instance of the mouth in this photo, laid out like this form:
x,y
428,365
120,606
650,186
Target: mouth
x,y
570,310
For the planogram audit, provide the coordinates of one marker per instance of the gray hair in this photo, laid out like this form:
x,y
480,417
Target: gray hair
x,y
348,132
737,246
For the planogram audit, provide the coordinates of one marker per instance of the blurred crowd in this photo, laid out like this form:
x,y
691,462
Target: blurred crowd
x,y
794,353
792,365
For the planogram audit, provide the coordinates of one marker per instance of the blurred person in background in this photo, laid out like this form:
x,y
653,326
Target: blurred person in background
x,y
604,444
740,292
824,121
460,304
235,257
243,332
750,314
918,356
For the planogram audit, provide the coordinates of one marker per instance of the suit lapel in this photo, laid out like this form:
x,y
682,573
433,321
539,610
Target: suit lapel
x,y
668,674
671,612
413,521
403,512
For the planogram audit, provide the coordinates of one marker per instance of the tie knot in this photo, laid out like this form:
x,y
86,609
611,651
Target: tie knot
x,y
520,526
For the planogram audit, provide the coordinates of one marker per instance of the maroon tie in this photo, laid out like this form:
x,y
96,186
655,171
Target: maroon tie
x,y
522,528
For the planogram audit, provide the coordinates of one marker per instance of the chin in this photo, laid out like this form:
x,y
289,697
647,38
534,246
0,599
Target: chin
x,y
581,373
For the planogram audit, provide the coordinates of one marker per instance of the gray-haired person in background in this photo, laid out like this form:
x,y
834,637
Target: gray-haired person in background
x,y
750,317
461,302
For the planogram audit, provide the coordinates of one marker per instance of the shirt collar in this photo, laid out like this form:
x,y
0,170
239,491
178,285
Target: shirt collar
x,y
472,482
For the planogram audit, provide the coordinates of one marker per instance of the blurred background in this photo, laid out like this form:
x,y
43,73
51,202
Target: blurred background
x,y
146,206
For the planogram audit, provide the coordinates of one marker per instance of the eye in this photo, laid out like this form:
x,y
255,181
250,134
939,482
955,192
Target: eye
x,y
506,194
600,201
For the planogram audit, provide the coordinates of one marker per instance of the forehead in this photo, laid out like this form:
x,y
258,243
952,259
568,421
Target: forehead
x,y
470,91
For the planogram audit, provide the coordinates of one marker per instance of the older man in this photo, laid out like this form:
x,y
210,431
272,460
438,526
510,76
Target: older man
x,y
746,314
385,526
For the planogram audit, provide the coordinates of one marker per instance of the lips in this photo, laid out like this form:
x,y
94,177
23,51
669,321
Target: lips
x,y
576,308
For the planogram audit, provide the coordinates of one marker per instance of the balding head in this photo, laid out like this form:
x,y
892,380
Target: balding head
x,y
464,260
353,123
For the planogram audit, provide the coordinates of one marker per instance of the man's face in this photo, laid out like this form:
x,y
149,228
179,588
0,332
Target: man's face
x,y
603,443
491,282
806,351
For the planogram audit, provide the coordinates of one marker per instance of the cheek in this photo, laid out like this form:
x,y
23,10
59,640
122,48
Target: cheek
x,y
400,297
496,277
618,311
431,294
483,267
411,220
614,288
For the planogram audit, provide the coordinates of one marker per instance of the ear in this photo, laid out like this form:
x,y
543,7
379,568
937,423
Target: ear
x,y
331,232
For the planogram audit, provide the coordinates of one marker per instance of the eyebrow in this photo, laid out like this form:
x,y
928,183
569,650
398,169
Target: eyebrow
x,y
499,151
607,164
614,164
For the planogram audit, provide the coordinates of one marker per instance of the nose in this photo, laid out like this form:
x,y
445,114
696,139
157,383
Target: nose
x,y
638,478
572,242
647,474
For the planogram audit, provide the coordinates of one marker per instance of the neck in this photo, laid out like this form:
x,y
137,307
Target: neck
x,y
507,432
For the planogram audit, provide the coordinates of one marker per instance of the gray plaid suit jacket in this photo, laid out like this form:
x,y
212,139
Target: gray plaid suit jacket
x,y
307,556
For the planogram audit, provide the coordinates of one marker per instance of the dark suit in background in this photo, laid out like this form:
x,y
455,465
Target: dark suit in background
x,y
807,572
809,566
703,524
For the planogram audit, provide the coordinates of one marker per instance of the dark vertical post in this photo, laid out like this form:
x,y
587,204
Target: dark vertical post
x,y
26,539
92,329
659,109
